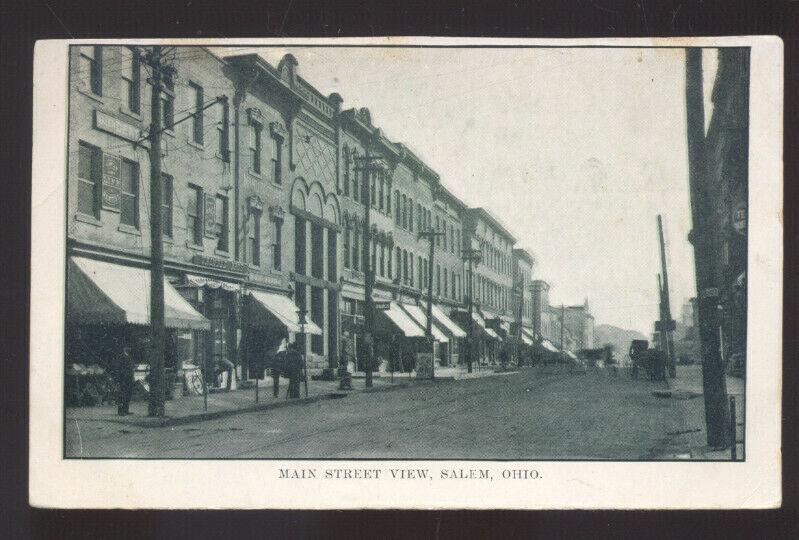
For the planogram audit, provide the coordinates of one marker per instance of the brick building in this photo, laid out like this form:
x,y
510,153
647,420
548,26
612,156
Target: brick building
x,y
522,327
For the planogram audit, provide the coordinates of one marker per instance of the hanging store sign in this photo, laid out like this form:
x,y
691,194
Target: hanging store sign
x,y
112,183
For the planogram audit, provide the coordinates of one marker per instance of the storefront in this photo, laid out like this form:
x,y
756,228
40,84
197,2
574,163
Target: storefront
x,y
457,336
398,338
108,306
442,342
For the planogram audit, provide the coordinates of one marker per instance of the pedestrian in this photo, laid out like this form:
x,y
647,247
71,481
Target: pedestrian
x,y
293,365
123,372
278,360
223,365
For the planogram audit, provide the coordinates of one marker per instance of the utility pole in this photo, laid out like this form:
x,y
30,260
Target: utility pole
x,y
562,324
366,165
668,323
155,406
703,238
473,257
431,235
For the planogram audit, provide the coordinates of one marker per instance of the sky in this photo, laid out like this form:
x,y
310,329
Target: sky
x,y
575,150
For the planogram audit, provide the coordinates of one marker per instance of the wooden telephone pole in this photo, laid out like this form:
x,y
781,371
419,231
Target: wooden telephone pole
x,y
703,238
431,235
472,257
666,322
155,406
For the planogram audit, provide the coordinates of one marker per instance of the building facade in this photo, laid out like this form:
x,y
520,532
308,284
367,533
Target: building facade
x,y
264,184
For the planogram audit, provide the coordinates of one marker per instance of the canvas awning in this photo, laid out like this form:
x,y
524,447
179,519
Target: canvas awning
x,y
549,346
450,325
198,281
571,355
528,332
492,334
285,311
402,321
478,318
526,340
104,292
420,317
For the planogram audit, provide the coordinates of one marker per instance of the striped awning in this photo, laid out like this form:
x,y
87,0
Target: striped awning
x,y
420,317
285,311
103,292
442,318
402,321
549,346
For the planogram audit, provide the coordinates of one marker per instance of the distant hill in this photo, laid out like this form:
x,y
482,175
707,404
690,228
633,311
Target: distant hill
x,y
619,337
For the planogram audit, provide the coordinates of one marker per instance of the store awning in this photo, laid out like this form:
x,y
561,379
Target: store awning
x,y
549,346
571,355
478,318
526,340
402,321
528,332
420,317
286,311
492,334
450,325
103,292
198,281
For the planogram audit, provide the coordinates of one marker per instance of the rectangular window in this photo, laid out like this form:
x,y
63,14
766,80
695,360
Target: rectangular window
x,y
194,211
255,147
166,205
411,269
382,260
91,68
420,271
129,208
198,116
168,103
277,249
438,228
453,294
332,255
397,212
317,245
445,282
223,130
372,191
389,263
299,245
254,240
382,195
277,160
356,250
410,214
438,280
346,172
89,178
347,247
405,267
356,189
222,232
132,77
451,239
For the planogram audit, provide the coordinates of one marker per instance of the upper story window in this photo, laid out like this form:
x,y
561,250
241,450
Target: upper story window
x,y
372,190
197,119
131,76
356,193
419,218
451,239
277,245
381,192
91,68
194,214
254,237
438,228
129,207
404,212
223,129
444,230
221,225
397,210
89,178
277,158
168,102
255,146
166,204
346,181
410,214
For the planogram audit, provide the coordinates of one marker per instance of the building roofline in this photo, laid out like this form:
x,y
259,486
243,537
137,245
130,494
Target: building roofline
x,y
494,222
524,254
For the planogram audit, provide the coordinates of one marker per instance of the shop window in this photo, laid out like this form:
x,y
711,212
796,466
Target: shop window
x,y
89,178
129,207
318,317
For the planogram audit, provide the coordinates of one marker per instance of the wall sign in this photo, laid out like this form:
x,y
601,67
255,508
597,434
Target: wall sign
x,y
112,182
221,264
209,216
115,126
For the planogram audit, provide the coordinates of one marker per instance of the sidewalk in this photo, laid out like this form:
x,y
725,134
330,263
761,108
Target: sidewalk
x,y
188,409
691,444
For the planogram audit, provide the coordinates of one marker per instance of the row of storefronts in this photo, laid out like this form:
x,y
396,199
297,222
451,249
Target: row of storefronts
x,y
265,185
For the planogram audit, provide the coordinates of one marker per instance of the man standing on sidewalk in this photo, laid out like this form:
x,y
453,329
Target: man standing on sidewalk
x,y
123,373
293,365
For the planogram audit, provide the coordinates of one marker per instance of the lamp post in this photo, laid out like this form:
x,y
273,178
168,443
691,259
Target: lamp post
x,y
367,165
302,313
473,257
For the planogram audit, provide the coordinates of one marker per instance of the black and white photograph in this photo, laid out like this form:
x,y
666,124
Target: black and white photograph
x,y
435,254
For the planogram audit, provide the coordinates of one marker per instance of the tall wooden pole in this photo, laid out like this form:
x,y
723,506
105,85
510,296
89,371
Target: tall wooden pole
x,y
703,238
369,312
471,256
667,331
155,405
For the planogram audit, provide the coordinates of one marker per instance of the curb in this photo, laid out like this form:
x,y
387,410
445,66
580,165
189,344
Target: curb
x,y
214,415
